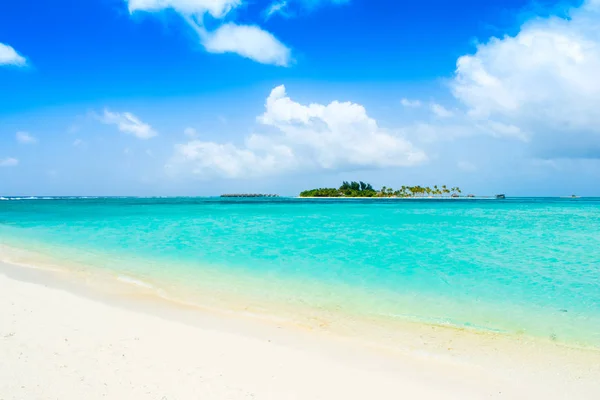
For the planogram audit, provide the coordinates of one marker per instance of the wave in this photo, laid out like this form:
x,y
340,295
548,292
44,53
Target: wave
x,y
10,198
19,198
134,281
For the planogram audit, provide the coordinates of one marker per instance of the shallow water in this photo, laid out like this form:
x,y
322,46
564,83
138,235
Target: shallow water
x,y
519,266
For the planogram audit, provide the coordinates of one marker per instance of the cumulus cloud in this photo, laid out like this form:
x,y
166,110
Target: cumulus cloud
x,y
248,41
9,56
9,162
308,137
128,123
25,138
216,8
540,85
210,159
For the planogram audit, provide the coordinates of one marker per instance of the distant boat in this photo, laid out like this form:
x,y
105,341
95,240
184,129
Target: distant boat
x,y
500,196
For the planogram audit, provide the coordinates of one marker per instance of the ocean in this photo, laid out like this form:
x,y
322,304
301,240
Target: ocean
x,y
520,266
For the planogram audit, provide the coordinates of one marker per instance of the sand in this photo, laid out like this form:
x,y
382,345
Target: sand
x,y
56,342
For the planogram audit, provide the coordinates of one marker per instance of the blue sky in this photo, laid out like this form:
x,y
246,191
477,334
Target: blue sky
x,y
199,97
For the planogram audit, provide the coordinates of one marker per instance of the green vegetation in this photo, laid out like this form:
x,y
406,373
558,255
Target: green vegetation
x,y
348,189
323,192
361,189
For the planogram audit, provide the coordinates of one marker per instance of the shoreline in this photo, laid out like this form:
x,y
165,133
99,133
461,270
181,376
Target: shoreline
x,y
404,198
497,357
222,296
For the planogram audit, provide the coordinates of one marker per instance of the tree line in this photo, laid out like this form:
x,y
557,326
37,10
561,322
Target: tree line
x,y
362,189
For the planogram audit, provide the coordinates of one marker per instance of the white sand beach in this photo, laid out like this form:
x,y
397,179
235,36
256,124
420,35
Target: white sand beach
x,y
56,342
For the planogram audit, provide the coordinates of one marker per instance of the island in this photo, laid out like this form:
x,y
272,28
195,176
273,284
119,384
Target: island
x,y
362,189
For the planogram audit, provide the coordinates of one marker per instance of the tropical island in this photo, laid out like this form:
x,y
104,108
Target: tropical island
x,y
362,189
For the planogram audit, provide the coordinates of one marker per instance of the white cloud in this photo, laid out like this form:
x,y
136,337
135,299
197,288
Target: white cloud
x,y
78,142
277,7
209,159
281,6
128,123
306,137
9,162
461,126
25,138
440,111
544,81
190,132
248,41
410,103
216,8
498,129
9,56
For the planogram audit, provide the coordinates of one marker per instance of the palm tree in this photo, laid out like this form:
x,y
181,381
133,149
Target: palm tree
x,y
404,191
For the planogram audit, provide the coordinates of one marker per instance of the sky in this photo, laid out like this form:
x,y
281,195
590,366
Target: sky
x,y
203,97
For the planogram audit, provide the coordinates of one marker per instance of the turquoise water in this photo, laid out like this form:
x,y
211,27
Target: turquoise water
x,y
519,266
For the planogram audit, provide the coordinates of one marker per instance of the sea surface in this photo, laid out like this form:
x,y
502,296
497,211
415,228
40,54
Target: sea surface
x,y
522,266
